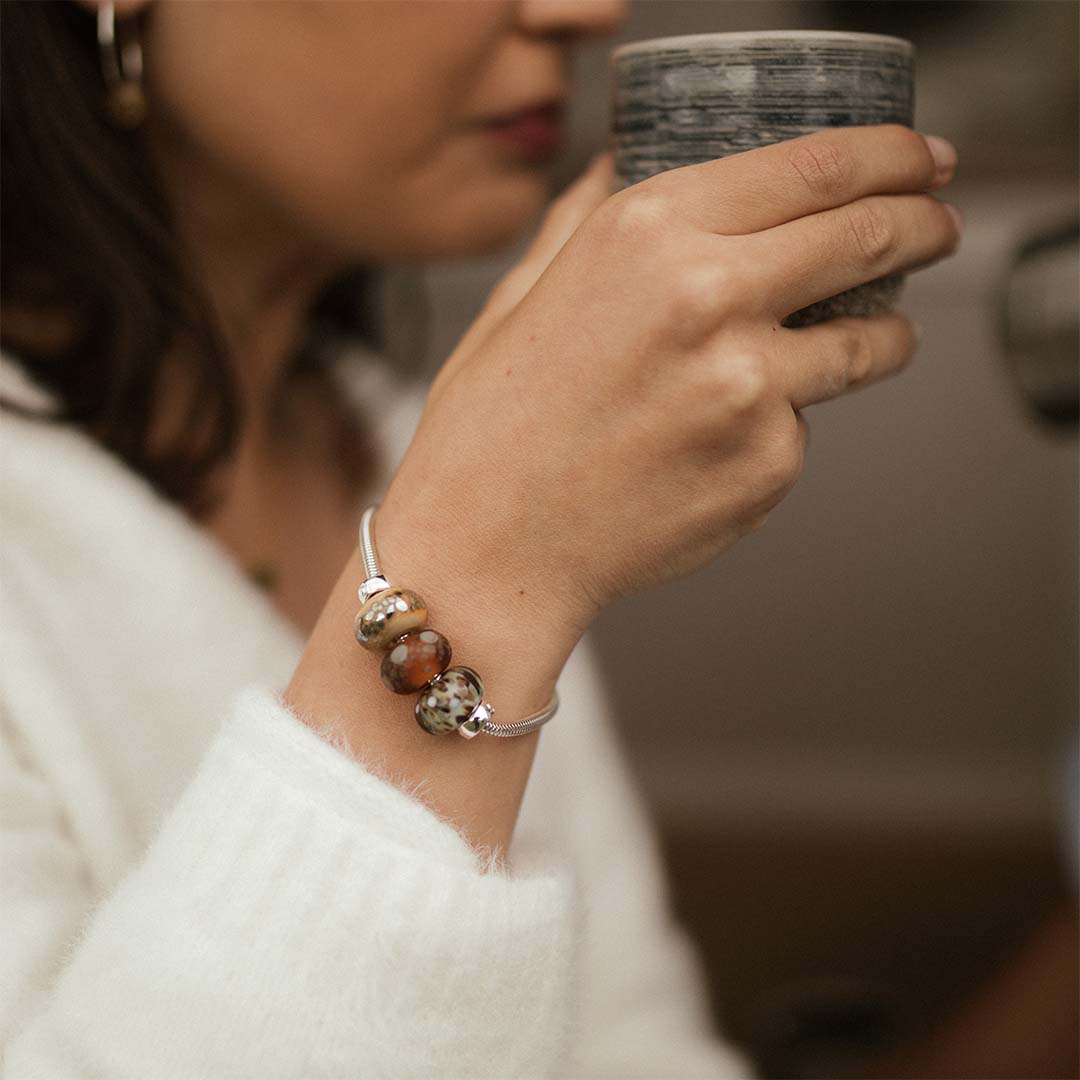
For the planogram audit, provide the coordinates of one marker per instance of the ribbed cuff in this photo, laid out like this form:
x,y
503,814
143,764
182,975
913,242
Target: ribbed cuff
x,y
298,916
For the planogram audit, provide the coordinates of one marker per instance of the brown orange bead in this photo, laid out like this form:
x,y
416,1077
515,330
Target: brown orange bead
x,y
414,660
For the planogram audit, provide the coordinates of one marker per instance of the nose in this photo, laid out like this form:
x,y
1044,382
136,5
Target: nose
x,y
573,18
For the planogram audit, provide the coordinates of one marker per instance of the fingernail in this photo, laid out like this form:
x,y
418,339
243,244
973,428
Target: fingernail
x,y
956,216
943,153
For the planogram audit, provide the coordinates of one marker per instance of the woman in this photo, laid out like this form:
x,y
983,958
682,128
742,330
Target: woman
x,y
229,850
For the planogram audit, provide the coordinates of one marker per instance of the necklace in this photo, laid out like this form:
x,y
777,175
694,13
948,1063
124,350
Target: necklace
x,y
264,575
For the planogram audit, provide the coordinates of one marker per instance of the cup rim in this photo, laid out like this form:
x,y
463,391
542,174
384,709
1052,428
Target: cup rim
x,y
735,37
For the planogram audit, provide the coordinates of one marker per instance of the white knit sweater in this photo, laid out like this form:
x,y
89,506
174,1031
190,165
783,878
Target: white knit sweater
x,y
195,884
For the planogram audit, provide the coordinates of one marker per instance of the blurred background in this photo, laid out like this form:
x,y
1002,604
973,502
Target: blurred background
x,y
871,836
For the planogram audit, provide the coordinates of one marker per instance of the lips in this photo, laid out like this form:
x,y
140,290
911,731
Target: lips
x,y
537,132
553,106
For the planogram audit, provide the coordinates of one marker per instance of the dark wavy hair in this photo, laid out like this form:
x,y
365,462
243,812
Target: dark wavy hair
x,y
92,292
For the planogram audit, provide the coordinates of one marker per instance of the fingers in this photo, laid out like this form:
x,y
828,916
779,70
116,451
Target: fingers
x,y
791,473
821,255
820,362
762,188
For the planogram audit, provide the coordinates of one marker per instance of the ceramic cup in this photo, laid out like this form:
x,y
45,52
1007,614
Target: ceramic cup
x,y
683,100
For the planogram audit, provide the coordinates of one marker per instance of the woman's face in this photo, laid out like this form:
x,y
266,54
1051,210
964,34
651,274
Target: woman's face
x,y
358,126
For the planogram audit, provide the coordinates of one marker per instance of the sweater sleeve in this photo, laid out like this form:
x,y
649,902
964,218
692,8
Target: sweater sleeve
x,y
297,915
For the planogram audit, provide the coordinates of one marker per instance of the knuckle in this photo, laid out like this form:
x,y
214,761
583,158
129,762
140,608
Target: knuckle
x,y
698,294
913,147
783,467
743,383
635,213
794,456
902,137
872,230
822,166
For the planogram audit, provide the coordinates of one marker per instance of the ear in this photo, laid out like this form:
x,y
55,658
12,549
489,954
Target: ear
x,y
123,7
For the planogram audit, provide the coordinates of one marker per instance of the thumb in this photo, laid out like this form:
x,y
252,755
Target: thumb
x,y
559,222
569,210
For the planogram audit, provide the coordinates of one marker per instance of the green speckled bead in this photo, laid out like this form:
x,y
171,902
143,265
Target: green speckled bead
x,y
449,700
386,616
414,660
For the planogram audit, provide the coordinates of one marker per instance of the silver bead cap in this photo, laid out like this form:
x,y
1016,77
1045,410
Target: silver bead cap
x,y
475,723
370,587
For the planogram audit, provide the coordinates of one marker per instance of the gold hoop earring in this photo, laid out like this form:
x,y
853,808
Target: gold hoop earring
x,y
121,66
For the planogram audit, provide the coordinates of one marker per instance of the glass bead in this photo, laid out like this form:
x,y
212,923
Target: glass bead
x,y
414,660
387,615
449,700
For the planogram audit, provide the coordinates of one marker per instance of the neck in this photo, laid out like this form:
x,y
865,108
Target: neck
x,y
258,271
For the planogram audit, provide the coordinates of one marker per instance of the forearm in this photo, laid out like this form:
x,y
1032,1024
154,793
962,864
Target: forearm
x,y
514,641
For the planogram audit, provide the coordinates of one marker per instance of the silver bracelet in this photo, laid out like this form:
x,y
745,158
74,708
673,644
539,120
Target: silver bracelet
x,y
393,621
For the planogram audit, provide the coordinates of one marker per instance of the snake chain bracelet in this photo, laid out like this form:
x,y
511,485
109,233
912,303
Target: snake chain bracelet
x,y
393,620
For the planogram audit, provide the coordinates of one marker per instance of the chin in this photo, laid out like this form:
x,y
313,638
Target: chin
x,y
486,214
489,232
497,216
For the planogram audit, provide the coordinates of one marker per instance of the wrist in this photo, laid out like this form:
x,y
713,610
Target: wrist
x,y
502,623
476,784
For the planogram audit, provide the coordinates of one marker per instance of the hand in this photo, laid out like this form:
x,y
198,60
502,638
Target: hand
x,y
623,415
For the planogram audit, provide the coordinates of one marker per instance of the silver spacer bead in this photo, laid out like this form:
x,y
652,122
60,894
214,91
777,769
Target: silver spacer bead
x,y
478,718
481,720
371,587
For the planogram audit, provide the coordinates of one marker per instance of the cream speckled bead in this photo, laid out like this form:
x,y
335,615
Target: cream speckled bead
x,y
449,700
386,616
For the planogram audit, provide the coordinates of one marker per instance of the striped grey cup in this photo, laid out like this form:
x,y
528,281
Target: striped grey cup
x,y
683,100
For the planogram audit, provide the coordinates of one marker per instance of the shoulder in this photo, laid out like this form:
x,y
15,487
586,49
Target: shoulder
x,y
18,386
52,471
